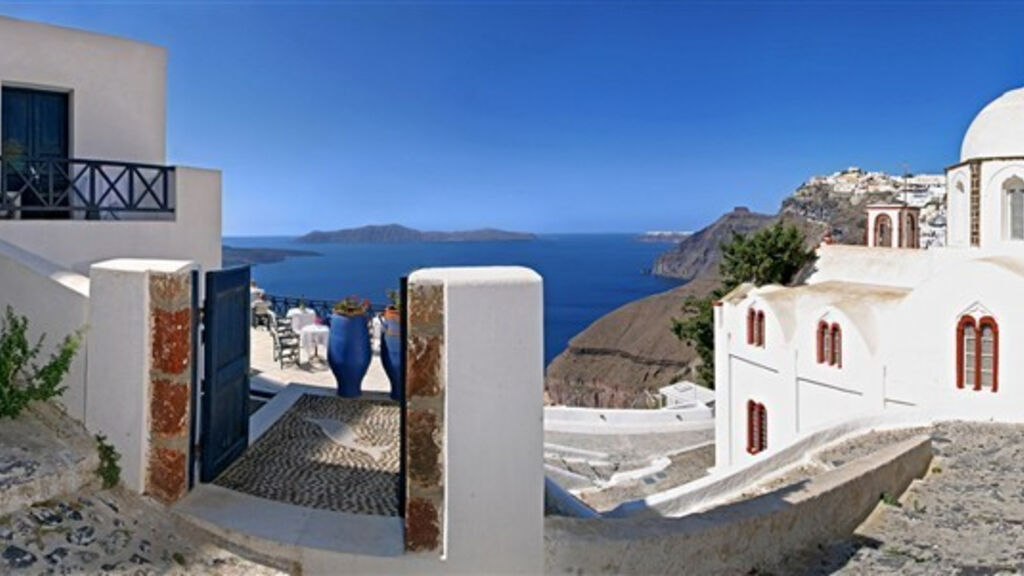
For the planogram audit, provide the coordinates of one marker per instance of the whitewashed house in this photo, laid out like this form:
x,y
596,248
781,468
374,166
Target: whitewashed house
x,y
888,327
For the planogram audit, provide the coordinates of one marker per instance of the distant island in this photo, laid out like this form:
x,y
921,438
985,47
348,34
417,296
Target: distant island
x,y
667,236
232,256
394,233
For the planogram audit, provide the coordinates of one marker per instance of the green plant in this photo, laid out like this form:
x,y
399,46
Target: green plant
x,y
888,498
22,380
772,255
351,306
697,329
395,298
109,470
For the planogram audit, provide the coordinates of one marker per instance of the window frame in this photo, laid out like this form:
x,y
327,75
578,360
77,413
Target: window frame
x,y
757,427
836,336
973,367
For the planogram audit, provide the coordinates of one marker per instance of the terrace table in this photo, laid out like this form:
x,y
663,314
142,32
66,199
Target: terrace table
x,y
301,318
312,337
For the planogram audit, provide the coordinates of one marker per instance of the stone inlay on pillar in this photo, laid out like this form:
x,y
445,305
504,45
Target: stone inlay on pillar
x,y
424,430
170,319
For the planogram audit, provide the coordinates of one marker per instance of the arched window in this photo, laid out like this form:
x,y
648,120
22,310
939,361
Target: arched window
x,y
757,427
883,230
988,353
913,238
759,336
977,352
1013,207
751,320
837,346
824,343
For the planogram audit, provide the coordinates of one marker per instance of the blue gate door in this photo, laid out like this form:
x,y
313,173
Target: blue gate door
x,y
224,405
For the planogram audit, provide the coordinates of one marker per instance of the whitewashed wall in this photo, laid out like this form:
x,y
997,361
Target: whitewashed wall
x,y
194,234
56,302
117,87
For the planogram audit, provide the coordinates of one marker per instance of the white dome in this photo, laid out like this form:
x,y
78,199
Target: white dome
x,y
998,130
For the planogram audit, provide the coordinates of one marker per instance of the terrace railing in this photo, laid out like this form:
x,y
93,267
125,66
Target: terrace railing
x,y
323,308
64,188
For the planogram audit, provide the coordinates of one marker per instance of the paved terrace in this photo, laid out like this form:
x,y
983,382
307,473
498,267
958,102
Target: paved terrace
x,y
269,376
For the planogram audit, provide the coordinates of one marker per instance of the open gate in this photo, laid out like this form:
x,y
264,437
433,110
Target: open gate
x,y
224,399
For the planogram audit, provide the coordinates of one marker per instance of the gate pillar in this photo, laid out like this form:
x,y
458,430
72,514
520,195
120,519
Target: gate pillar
x,y
140,366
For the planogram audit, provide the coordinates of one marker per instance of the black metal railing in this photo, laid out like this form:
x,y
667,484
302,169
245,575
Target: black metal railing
x,y
323,308
57,188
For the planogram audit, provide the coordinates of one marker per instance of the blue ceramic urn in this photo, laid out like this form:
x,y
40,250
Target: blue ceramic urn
x,y
348,352
391,352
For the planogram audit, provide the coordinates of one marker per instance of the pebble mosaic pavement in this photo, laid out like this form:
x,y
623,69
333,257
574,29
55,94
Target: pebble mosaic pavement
x,y
297,463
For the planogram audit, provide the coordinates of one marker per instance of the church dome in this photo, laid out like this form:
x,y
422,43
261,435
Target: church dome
x,y
998,130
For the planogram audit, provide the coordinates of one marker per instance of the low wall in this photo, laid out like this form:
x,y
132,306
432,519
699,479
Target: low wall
x,y
56,302
615,421
752,535
721,485
193,234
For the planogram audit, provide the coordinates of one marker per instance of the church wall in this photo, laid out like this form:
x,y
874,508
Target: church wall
x,y
994,217
920,354
958,188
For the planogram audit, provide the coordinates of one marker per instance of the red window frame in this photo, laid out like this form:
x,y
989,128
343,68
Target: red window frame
x,y
751,318
836,334
757,427
759,335
822,334
978,326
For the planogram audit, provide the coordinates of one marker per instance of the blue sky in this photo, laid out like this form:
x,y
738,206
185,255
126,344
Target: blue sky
x,y
561,117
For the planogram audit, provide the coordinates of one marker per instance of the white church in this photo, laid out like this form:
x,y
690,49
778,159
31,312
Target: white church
x,y
888,326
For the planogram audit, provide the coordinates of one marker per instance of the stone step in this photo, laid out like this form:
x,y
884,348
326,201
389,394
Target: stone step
x,y
43,455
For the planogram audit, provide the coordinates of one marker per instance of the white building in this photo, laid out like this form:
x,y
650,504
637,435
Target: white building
x,y
888,327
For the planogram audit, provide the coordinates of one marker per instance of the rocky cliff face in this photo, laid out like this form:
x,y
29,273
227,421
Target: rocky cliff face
x,y
700,252
622,359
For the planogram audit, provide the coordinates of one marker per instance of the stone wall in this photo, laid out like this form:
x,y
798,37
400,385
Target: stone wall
x,y
170,384
425,402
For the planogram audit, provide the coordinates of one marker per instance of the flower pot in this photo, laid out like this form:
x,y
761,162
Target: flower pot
x,y
348,352
391,350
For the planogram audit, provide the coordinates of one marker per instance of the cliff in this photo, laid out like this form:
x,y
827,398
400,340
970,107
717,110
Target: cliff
x,y
700,251
394,233
625,356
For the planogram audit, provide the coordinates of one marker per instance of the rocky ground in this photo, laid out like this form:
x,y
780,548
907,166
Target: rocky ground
x,y
54,518
965,517
110,532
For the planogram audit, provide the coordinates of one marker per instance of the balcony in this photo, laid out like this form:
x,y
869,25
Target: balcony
x,y
78,189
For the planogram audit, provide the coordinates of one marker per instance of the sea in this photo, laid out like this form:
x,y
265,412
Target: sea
x,y
585,275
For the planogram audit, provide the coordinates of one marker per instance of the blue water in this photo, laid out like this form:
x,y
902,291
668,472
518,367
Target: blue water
x,y
585,275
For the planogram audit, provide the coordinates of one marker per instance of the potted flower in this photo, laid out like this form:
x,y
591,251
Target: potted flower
x,y
391,343
348,345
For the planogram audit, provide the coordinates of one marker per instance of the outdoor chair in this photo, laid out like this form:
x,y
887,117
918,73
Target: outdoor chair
x,y
286,341
261,315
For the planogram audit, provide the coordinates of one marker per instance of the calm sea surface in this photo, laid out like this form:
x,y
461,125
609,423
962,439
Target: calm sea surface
x,y
585,275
